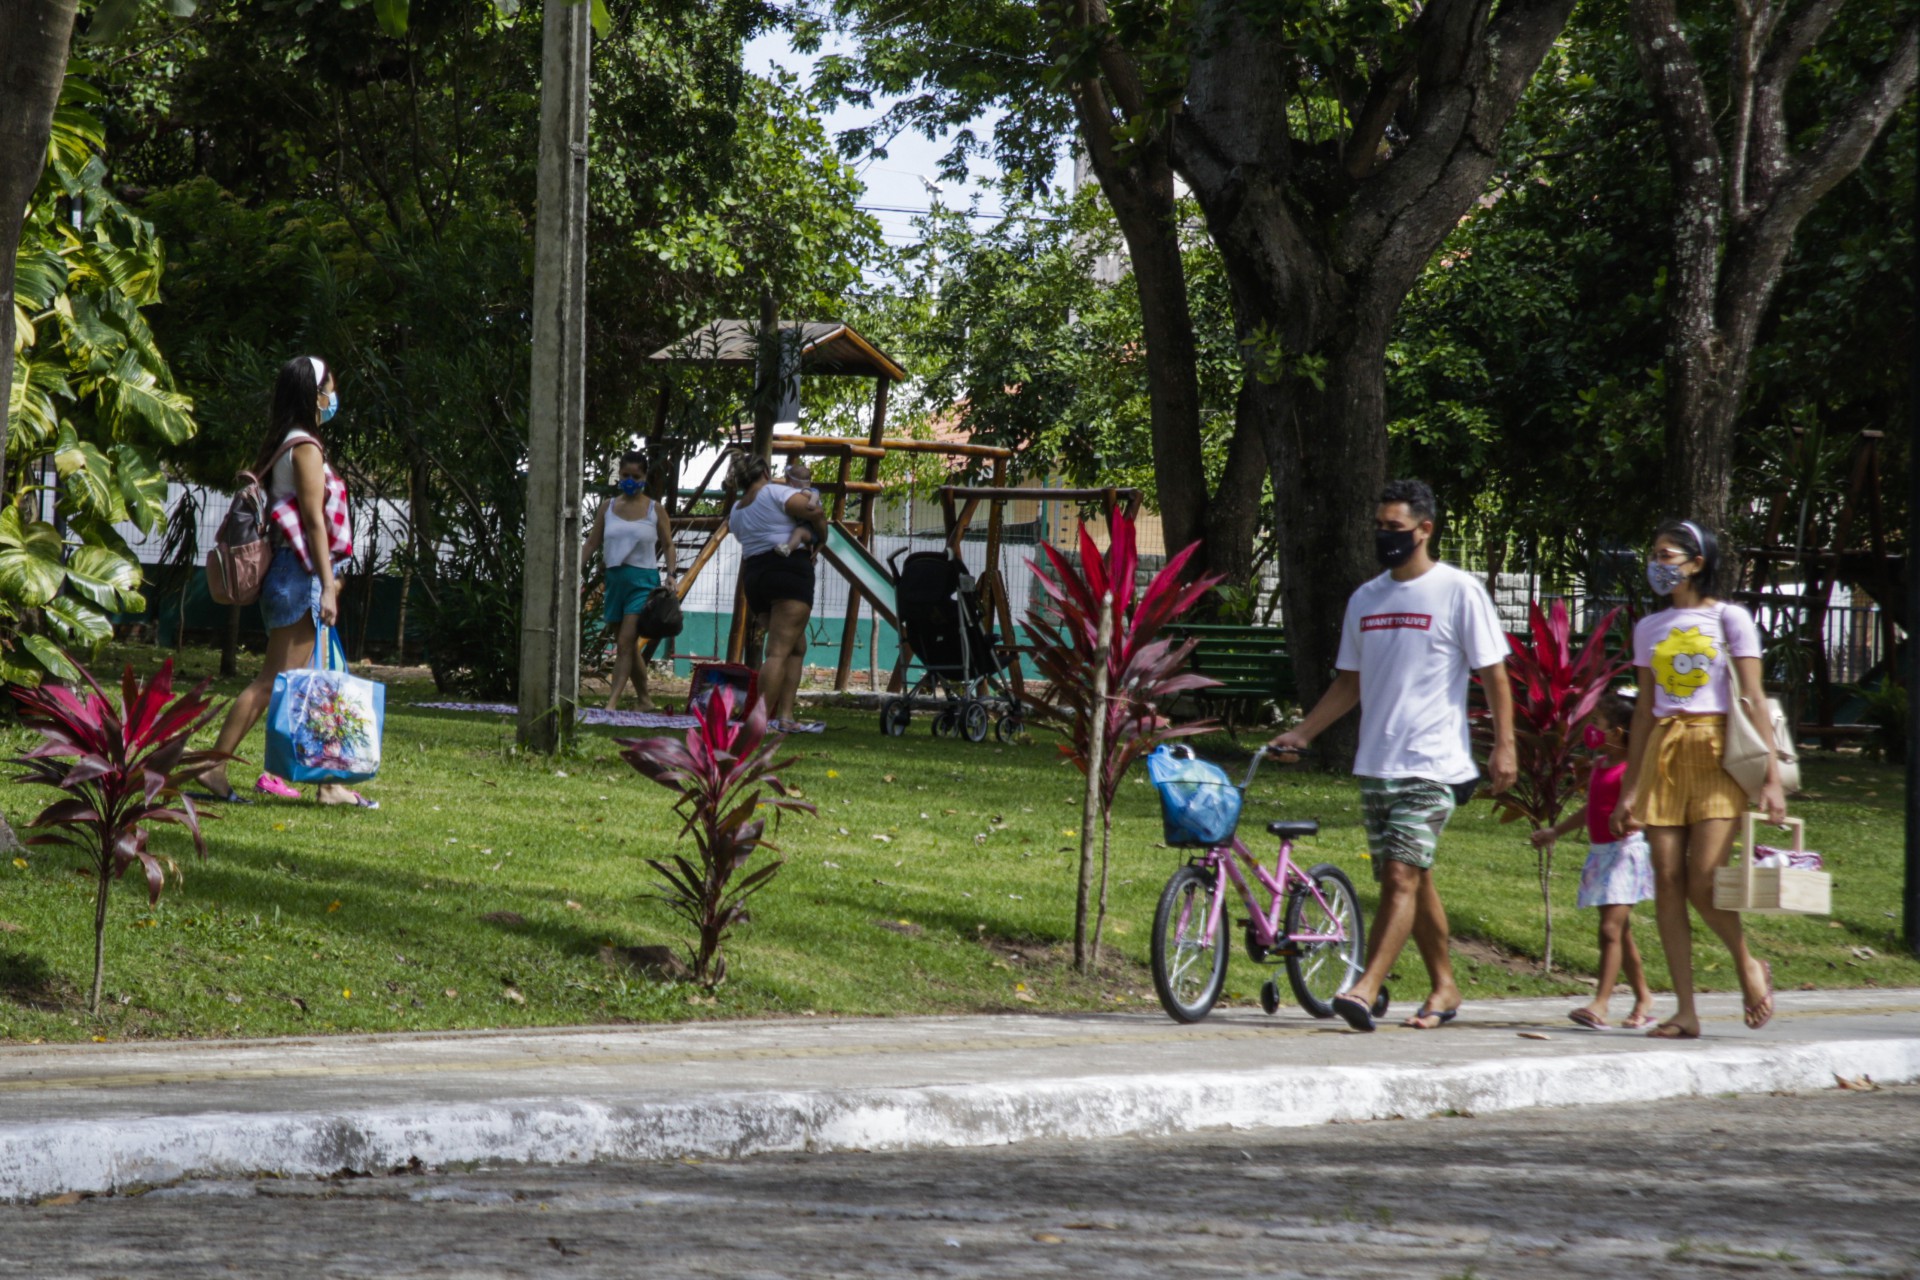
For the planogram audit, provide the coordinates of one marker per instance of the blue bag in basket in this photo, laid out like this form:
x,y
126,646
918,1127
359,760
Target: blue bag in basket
x,y
324,722
1199,804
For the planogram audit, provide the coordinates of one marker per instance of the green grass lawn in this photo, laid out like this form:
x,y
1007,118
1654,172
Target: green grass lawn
x,y
938,877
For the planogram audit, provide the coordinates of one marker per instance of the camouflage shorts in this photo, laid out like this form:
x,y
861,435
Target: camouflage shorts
x,y
1404,818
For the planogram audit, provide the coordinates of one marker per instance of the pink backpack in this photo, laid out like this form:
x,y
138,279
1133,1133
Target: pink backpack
x,y
242,551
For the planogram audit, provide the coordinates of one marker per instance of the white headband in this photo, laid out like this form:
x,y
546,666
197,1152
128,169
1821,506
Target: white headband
x,y
319,371
1699,536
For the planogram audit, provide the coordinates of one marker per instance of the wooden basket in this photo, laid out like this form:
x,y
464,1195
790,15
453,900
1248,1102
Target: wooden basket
x,y
1772,891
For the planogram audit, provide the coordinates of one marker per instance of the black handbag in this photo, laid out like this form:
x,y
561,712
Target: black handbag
x,y
660,617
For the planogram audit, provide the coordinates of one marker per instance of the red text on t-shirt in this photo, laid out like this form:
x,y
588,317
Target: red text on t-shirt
x,y
1397,622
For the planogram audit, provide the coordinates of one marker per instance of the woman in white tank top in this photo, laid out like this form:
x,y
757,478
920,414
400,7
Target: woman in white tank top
x,y
631,531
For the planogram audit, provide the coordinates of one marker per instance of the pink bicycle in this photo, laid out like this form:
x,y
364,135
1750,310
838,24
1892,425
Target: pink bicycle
x,y
1312,922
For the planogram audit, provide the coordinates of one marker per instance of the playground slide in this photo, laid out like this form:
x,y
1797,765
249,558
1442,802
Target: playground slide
x,y
862,570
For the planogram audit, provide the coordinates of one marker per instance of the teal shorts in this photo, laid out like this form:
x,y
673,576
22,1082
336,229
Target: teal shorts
x,y
1404,818
627,592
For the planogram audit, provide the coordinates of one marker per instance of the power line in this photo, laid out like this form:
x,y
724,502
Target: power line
x,y
990,217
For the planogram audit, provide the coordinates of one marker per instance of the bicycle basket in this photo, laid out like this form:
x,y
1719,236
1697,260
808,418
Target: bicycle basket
x,y
1199,805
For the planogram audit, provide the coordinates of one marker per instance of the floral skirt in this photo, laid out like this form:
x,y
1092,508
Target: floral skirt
x,y
1618,872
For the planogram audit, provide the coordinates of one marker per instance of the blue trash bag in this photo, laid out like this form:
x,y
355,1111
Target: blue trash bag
x,y
325,723
1199,804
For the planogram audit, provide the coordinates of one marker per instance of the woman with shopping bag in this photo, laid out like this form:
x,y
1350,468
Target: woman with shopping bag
x,y
1698,663
300,596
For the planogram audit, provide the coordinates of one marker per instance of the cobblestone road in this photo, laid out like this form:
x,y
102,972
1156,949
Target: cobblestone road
x,y
1825,1184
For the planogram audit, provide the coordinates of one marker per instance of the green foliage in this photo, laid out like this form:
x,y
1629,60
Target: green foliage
x,y
1031,325
92,400
326,187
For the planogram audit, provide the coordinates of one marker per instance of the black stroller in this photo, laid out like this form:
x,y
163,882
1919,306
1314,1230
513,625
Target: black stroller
x,y
962,664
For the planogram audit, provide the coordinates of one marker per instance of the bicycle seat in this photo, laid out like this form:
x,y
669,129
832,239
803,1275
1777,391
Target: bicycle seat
x,y
1294,830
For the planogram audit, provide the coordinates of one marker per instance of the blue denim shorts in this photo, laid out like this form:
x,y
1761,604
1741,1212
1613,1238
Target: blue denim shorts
x,y
289,593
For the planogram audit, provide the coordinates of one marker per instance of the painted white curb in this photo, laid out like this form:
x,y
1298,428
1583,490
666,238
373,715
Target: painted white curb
x,y
49,1158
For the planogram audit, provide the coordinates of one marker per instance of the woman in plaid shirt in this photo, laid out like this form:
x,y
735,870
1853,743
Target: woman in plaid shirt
x,y
308,505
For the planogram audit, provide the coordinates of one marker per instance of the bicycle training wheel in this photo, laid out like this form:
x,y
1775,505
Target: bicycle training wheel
x,y
1319,971
1188,969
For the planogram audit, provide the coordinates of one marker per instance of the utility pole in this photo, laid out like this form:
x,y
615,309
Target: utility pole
x,y
1911,565
550,604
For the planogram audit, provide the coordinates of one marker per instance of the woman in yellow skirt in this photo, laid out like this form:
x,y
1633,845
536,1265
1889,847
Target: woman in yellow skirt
x,y
1690,659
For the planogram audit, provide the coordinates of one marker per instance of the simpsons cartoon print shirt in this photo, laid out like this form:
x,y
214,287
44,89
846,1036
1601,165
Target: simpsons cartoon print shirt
x,y
1689,652
1415,645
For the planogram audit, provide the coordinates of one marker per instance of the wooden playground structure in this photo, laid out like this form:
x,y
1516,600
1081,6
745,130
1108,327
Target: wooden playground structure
x,y
700,513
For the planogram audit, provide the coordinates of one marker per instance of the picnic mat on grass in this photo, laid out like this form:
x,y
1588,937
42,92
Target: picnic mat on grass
x,y
599,715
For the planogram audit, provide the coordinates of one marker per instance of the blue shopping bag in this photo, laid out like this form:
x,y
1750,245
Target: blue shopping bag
x,y
324,723
1199,804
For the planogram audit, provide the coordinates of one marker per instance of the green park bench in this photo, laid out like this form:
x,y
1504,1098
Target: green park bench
x,y
1251,663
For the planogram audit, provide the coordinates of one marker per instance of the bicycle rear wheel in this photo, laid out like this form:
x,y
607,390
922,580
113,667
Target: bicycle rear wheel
x,y
1319,971
1188,968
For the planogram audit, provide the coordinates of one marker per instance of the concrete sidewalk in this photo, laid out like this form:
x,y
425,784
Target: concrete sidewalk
x,y
107,1117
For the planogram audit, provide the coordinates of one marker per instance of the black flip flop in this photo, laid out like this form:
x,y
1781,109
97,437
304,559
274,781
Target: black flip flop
x,y
1358,1015
1426,1011
207,797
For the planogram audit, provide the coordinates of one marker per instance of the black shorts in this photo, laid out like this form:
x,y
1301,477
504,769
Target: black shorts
x,y
771,576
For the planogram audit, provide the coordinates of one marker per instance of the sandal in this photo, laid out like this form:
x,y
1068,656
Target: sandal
x,y
354,800
1672,1031
1759,1015
268,784
1357,1015
1416,1022
1592,1021
1637,1020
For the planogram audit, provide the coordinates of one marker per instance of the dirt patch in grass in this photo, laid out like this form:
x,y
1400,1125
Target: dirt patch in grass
x,y
1036,965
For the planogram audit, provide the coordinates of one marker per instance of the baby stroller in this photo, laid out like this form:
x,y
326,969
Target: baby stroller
x,y
962,664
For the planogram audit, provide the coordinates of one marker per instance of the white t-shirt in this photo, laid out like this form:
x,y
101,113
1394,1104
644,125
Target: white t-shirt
x,y
763,524
1415,645
1688,651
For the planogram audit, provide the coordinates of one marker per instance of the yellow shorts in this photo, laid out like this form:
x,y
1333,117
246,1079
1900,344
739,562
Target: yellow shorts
x,y
1683,781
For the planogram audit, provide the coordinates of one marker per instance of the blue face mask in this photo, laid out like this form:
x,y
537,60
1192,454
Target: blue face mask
x,y
1664,577
333,406
629,486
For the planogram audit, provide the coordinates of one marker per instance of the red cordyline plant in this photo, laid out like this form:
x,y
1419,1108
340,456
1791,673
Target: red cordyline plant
x,y
120,767
1554,692
718,772
1144,673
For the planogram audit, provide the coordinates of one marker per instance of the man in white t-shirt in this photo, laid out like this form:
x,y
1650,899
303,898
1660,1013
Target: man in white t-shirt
x,y
1411,638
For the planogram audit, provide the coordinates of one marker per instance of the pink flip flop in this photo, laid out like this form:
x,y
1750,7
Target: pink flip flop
x,y
1589,1019
270,785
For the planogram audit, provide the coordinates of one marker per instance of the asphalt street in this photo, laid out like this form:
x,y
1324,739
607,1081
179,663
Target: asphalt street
x,y
1813,1184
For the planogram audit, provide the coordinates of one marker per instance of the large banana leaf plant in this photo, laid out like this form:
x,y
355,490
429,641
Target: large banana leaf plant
x,y
90,404
1144,672
718,773
119,768
1554,693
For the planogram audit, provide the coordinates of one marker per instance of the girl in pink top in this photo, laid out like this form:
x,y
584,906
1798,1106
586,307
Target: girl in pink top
x,y
1618,873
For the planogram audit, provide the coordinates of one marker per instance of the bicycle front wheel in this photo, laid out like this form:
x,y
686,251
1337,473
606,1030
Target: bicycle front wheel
x,y
1319,971
1189,968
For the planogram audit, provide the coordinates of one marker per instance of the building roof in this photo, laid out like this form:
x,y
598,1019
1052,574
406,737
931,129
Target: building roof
x,y
826,347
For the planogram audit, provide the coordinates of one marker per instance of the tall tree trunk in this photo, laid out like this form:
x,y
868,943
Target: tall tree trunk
x,y
1321,246
34,35
1137,177
1740,192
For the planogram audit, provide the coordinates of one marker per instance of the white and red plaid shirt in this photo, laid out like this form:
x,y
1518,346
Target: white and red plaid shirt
x,y
286,517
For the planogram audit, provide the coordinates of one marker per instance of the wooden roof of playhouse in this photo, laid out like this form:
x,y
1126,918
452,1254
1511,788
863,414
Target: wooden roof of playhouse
x,y
826,347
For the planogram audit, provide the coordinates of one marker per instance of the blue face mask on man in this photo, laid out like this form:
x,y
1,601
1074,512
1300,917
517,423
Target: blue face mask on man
x,y
333,406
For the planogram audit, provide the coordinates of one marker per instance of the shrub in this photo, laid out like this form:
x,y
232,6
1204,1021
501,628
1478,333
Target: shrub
x,y
120,768
1143,673
718,773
